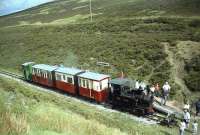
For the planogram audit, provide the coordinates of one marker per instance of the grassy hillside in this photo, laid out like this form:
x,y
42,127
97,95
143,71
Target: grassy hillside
x,y
128,34
28,111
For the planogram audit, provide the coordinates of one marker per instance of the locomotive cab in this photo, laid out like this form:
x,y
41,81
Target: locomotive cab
x,y
117,87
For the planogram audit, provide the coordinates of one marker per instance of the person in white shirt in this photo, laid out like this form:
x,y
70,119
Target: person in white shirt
x,y
152,89
182,127
186,117
137,85
187,106
194,127
143,85
165,93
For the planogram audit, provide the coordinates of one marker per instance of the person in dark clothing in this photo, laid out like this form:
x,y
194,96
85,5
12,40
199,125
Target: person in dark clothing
x,y
148,89
198,107
139,91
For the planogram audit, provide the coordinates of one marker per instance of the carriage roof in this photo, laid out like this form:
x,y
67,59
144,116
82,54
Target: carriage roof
x,y
93,76
66,70
45,67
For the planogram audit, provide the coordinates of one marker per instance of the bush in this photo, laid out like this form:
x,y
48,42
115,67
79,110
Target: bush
x,y
160,77
193,64
196,36
193,81
195,23
145,70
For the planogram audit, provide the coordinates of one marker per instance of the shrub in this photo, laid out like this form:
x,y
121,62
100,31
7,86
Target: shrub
x,y
196,36
192,79
194,23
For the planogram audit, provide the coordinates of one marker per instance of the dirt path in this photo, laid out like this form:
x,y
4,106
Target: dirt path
x,y
177,68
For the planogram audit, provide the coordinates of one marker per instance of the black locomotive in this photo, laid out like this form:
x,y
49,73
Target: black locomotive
x,y
125,97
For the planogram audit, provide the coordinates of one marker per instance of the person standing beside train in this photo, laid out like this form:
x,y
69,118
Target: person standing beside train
x,y
197,107
187,106
194,127
143,85
157,90
186,117
182,127
165,93
137,85
152,90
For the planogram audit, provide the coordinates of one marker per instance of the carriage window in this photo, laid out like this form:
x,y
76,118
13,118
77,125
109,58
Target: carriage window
x,y
33,71
58,77
84,83
48,75
38,72
44,75
79,81
100,85
64,78
90,84
69,79
87,84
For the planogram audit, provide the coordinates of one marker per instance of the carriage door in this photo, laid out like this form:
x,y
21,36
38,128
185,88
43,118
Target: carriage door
x,y
89,86
24,71
49,77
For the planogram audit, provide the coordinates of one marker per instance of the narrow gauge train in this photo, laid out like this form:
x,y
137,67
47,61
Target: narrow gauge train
x,y
98,87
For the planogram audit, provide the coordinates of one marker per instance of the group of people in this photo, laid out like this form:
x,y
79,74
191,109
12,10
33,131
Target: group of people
x,y
186,111
163,92
154,90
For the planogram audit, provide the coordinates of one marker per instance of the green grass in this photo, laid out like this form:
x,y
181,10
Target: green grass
x,y
127,34
28,111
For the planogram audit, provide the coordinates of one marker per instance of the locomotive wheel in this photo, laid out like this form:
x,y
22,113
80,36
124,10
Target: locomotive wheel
x,y
141,112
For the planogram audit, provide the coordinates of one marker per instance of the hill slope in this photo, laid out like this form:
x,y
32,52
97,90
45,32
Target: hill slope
x,y
128,34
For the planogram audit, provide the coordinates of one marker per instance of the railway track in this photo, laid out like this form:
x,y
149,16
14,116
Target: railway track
x,y
156,118
12,74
